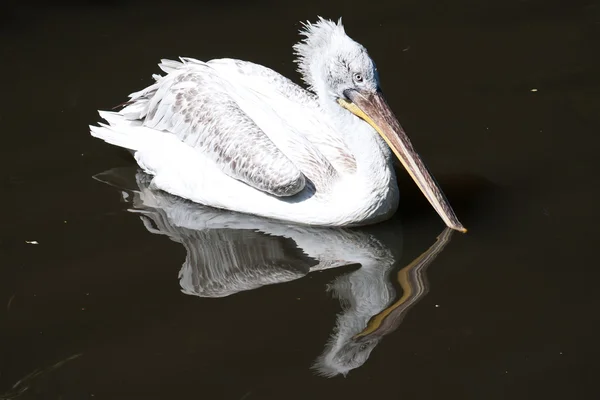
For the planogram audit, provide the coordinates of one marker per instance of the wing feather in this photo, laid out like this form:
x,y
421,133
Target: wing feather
x,y
193,103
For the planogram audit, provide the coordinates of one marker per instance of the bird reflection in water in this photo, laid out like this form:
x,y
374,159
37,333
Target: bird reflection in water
x,y
367,317
228,252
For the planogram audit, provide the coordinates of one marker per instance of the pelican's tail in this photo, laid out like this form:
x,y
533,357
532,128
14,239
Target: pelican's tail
x,y
153,150
119,131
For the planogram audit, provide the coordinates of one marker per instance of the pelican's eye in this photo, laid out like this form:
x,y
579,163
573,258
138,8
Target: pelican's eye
x,y
358,78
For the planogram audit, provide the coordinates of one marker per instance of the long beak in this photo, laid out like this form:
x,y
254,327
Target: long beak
x,y
373,108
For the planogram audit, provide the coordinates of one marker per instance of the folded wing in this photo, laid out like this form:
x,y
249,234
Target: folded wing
x,y
194,103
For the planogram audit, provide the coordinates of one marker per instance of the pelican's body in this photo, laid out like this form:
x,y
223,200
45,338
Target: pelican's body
x,y
238,136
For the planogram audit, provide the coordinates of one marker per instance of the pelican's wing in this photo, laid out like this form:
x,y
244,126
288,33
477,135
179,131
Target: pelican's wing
x,y
203,109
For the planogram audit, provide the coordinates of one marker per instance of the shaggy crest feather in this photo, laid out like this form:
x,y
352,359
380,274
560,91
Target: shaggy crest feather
x,y
317,37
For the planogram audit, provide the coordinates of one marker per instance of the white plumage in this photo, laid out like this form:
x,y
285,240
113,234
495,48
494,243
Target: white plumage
x,y
238,136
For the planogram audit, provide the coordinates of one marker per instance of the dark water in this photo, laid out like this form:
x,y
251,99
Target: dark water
x,y
107,306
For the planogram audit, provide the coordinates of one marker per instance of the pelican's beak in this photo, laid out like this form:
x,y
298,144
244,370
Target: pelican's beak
x,y
373,108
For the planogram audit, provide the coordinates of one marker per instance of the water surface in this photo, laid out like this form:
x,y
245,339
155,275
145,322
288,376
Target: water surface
x,y
133,294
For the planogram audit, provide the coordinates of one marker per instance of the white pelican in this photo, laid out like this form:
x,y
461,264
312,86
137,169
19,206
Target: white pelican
x,y
238,136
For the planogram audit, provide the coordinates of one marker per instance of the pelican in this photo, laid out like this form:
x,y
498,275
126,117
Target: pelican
x,y
238,136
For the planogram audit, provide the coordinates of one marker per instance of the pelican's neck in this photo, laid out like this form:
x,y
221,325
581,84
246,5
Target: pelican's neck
x,y
375,178
372,155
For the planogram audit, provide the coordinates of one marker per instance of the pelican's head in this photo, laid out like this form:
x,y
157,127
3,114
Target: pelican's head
x,y
331,62
339,69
